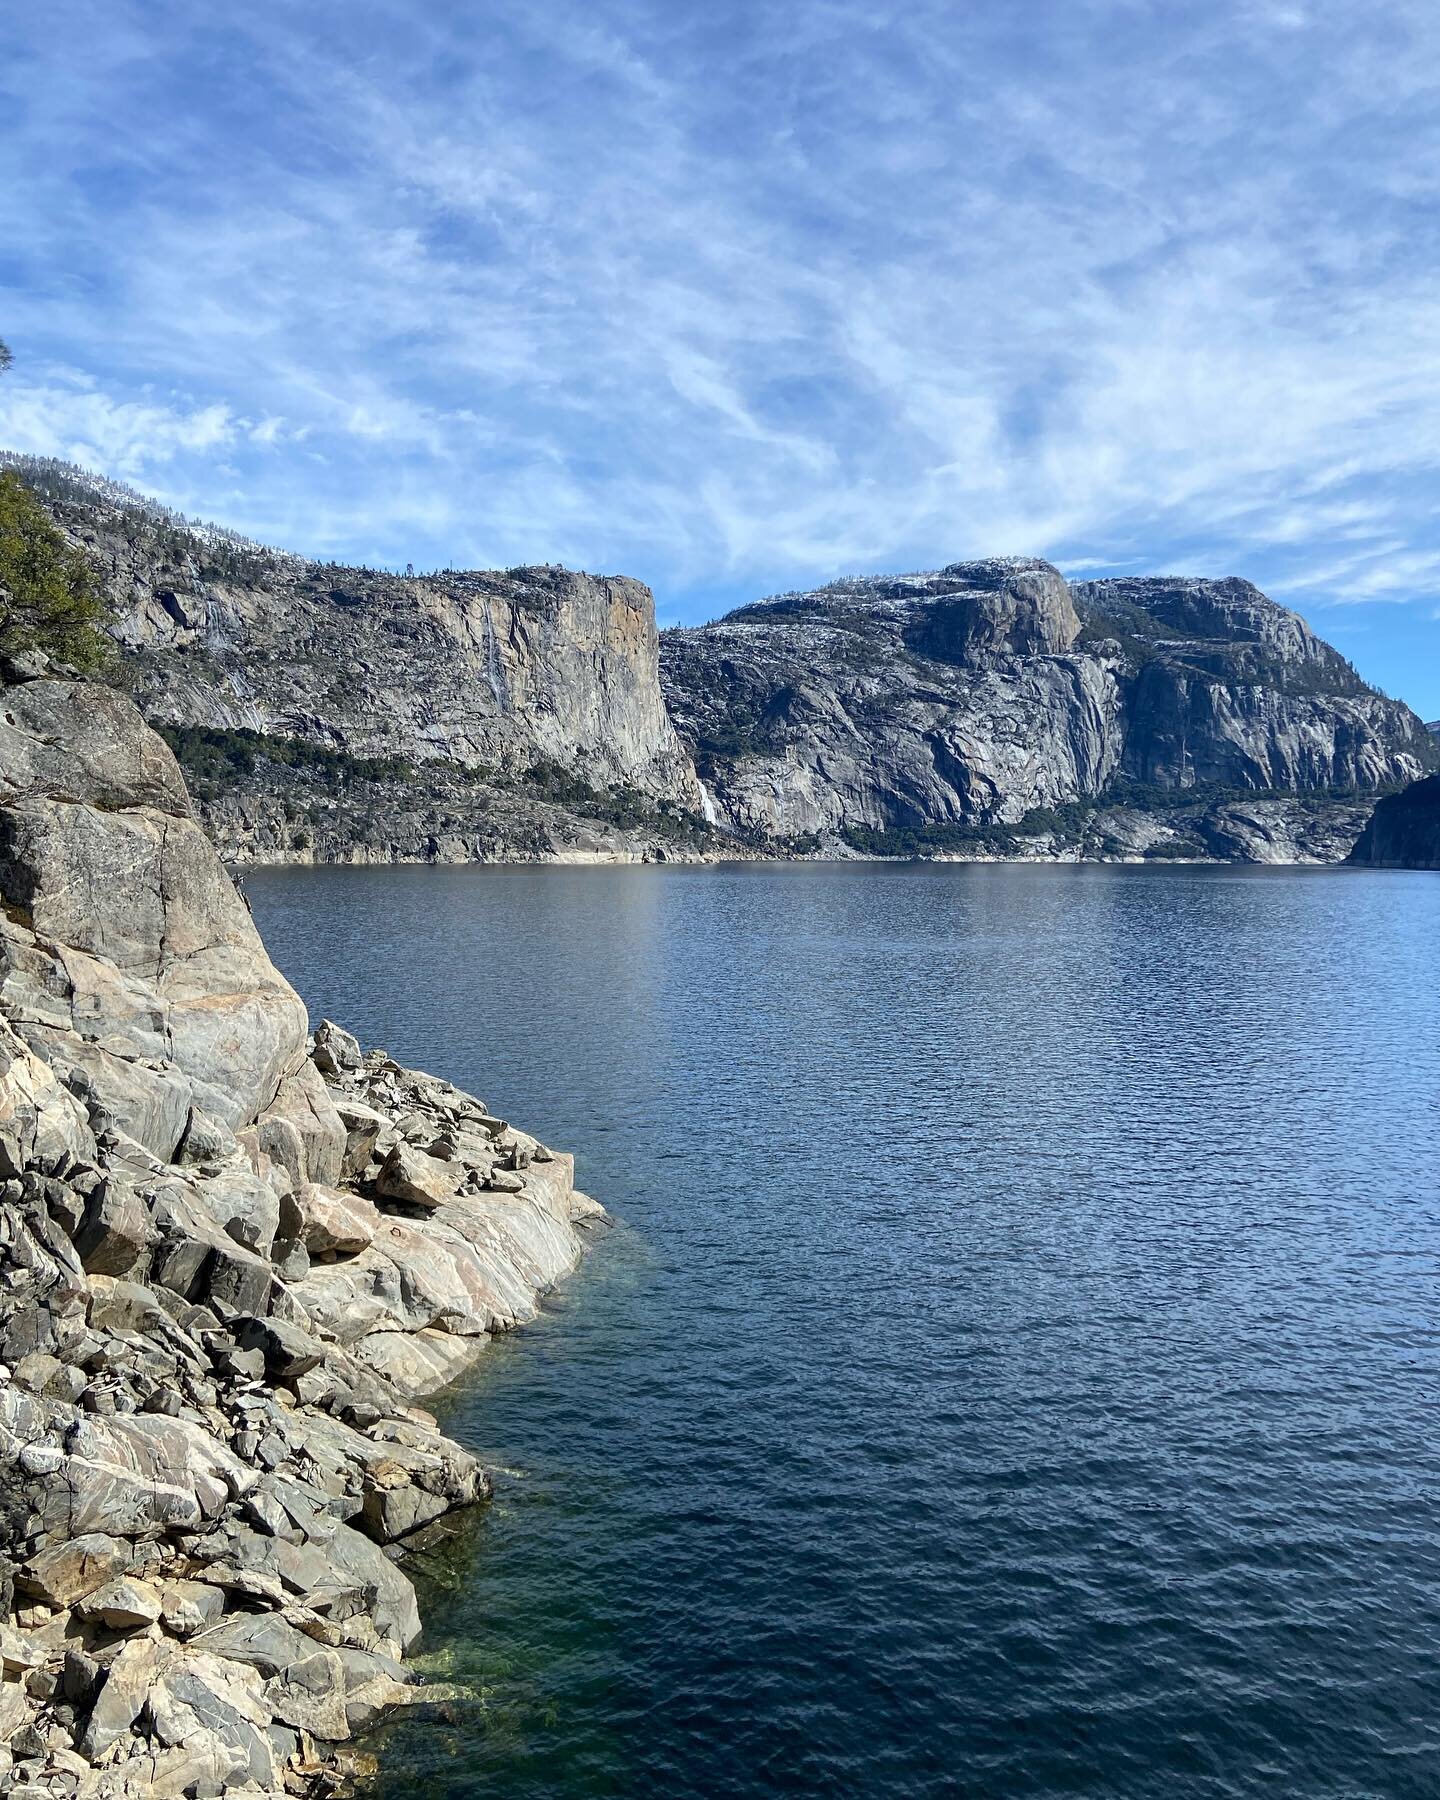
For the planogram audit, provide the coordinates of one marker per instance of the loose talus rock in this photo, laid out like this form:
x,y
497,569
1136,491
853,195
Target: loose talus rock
x,y
231,1256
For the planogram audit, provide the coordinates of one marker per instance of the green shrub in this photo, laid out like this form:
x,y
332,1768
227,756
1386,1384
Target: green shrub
x,y
1065,821
221,756
930,840
48,601
619,805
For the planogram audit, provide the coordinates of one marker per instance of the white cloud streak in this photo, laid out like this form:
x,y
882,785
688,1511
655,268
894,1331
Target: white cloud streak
x,y
750,295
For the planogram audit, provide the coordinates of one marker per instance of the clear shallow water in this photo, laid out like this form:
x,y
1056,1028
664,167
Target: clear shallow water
x,y
1015,1372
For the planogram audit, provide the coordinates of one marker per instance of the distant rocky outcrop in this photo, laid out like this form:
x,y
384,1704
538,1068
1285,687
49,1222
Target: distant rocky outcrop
x,y
1403,832
1222,685
947,710
232,1253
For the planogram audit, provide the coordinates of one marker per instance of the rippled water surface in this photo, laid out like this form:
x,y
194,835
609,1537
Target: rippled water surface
x,y
1015,1370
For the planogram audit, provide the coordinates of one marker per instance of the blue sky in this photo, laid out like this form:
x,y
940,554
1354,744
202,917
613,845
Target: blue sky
x,y
737,297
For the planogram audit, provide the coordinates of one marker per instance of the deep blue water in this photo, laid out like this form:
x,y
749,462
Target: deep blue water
x,y
1015,1369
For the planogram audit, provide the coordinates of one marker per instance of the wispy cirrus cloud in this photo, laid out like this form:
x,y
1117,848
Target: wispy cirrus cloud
x,y
737,297
67,416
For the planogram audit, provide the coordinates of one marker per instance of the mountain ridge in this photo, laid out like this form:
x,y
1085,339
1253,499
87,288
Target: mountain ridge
x,y
454,716
333,713
932,709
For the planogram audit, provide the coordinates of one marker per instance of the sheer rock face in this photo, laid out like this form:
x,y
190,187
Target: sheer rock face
x,y
489,670
895,701
1403,832
991,689
472,678
1227,687
214,1313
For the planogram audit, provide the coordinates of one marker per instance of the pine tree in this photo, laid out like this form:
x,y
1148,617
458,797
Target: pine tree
x,y
47,599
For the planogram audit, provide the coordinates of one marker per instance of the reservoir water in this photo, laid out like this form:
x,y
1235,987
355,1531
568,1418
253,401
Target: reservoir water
x,y
1016,1368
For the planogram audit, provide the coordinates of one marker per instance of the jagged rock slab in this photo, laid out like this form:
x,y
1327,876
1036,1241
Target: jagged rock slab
x,y
126,956
215,1307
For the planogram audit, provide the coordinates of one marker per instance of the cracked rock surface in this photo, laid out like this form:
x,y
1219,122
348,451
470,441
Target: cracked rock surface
x,y
985,691
233,1254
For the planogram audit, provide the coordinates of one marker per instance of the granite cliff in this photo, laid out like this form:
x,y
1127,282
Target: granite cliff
x,y
339,713
989,706
233,1252
984,709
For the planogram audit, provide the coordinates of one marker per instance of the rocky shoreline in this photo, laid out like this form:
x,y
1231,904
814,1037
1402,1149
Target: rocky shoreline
x,y
233,1254
1260,828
